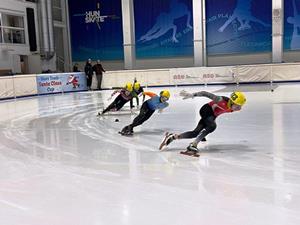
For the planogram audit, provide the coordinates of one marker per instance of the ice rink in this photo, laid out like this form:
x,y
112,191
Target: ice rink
x,y
61,165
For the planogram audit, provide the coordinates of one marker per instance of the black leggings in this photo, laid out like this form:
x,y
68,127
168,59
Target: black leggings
x,y
89,80
205,126
117,104
145,114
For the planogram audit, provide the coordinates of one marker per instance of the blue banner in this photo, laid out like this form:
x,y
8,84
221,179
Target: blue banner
x,y
292,24
238,26
56,83
163,28
96,30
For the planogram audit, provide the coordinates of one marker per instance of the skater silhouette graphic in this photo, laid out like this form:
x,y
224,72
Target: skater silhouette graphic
x,y
242,13
295,20
165,22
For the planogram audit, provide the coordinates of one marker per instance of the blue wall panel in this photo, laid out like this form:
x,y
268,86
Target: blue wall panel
x,y
96,29
238,26
163,28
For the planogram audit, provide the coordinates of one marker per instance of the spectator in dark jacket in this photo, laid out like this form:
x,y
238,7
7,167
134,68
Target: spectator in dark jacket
x,y
88,69
99,73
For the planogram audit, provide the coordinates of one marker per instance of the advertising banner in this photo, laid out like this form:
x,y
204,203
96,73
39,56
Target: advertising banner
x,y
163,28
238,26
203,75
292,24
96,29
56,83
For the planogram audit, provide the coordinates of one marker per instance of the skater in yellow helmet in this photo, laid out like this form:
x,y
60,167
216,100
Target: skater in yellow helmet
x,y
208,112
147,109
125,95
137,91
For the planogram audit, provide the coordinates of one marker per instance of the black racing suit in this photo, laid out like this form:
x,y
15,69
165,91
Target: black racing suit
x,y
119,101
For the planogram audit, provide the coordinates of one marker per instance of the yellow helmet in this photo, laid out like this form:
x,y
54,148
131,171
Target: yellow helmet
x,y
129,87
165,93
238,98
136,86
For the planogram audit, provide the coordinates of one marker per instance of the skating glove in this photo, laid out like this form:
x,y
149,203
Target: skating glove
x,y
186,95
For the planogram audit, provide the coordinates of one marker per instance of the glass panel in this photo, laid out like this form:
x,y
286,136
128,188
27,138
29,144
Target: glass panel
x,y
1,34
56,3
1,28
13,21
14,36
57,14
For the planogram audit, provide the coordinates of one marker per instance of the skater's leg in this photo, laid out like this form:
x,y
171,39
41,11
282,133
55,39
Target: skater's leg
x,y
193,133
145,114
113,105
110,107
186,135
209,126
137,101
121,103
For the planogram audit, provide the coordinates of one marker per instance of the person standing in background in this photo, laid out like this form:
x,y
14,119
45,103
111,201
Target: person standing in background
x,y
75,68
88,69
99,73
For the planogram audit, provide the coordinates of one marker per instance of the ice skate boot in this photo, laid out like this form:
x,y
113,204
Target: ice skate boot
x,y
169,137
191,150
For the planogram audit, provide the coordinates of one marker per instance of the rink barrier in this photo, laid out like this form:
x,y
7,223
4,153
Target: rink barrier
x,y
28,85
264,73
20,86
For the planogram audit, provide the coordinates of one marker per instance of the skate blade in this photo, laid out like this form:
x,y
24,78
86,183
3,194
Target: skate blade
x,y
190,153
163,143
123,134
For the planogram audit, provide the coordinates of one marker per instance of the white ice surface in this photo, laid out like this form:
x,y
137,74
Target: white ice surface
x,y
60,165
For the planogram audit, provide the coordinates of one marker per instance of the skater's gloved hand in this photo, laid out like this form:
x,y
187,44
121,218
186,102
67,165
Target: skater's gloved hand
x,y
186,95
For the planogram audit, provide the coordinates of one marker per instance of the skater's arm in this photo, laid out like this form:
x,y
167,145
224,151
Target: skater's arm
x,y
148,93
162,106
115,92
209,95
215,98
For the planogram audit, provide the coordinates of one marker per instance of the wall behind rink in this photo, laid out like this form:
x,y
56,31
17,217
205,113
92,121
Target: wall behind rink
x,y
205,75
31,85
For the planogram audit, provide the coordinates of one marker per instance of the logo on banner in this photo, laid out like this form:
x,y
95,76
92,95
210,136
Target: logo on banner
x,y
49,84
72,79
94,16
